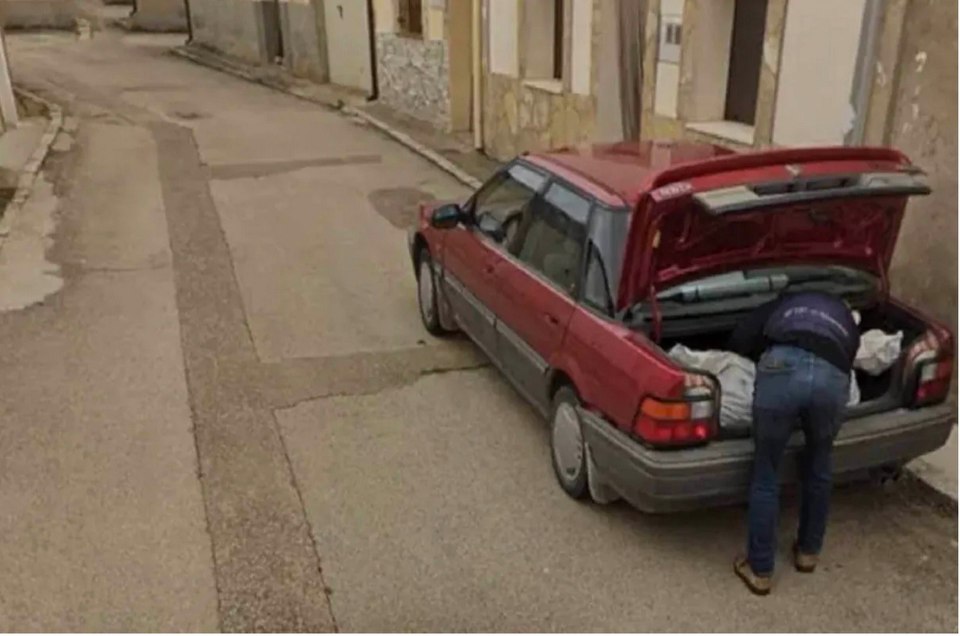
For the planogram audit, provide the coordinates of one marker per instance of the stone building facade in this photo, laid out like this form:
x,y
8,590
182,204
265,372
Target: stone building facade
x,y
542,68
413,60
159,15
923,123
39,14
8,104
234,27
539,79
760,73
288,32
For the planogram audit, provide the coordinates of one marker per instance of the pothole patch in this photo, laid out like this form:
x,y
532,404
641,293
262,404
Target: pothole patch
x,y
399,206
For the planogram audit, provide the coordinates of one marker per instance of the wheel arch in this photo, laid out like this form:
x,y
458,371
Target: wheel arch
x,y
419,244
564,371
556,380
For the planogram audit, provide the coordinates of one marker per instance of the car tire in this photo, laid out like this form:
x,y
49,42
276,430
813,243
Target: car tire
x,y
567,448
427,300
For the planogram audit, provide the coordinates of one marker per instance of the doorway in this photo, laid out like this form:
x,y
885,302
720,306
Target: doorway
x,y
746,52
348,28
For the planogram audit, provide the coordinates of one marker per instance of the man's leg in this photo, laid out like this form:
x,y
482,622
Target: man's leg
x,y
774,417
821,422
764,507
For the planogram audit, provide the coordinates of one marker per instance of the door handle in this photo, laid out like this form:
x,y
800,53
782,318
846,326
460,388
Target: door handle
x,y
489,269
551,319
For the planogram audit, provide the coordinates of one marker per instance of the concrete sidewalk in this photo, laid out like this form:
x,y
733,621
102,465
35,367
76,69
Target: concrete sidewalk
x,y
16,147
23,150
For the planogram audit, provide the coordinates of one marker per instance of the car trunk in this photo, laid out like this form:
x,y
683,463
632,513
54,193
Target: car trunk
x,y
881,393
713,241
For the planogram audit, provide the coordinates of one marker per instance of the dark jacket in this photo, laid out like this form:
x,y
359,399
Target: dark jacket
x,y
815,321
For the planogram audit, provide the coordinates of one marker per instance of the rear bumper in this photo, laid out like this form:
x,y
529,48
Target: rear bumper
x,y
719,473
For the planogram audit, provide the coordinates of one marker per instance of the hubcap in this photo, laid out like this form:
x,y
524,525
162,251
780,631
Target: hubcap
x,y
567,442
425,287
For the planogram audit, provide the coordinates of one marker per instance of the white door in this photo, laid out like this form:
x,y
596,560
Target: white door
x,y
348,43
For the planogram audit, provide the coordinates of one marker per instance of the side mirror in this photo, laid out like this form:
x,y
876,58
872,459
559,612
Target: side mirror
x,y
446,217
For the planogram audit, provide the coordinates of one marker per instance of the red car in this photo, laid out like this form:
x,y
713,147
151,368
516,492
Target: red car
x,y
576,270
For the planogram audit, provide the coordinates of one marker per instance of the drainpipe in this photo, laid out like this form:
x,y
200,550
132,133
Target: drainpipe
x,y
864,71
281,44
186,8
8,103
371,31
476,49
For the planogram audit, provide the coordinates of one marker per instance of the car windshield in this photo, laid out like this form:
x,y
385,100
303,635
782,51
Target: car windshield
x,y
842,281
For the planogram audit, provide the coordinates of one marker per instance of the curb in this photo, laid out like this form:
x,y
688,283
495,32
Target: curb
x,y
397,135
28,175
218,63
937,469
427,153
925,492
928,474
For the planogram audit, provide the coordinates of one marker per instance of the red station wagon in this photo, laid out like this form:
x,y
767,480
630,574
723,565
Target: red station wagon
x,y
576,270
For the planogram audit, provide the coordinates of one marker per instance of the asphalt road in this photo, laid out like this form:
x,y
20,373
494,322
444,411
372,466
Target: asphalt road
x,y
220,410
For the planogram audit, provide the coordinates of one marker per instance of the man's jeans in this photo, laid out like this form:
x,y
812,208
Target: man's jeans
x,y
794,388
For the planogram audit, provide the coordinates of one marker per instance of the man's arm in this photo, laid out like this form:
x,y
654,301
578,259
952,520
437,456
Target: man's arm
x,y
747,338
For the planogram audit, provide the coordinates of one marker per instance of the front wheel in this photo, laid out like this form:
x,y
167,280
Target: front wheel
x,y
427,294
567,448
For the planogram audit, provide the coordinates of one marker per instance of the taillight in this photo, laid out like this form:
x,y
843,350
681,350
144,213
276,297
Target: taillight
x,y
932,369
686,421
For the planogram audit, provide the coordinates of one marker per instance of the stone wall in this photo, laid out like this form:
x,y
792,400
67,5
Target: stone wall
x,y
160,15
925,127
253,30
519,117
413,77
304,50
39,14
233,27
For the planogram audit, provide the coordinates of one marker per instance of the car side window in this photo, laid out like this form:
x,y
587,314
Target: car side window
x,y
498,205
551,235
606,237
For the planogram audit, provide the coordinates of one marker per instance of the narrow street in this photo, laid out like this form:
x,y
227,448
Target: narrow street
x,y
221,412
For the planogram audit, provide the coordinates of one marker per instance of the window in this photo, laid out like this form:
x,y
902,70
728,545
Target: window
x,y
543,41
551,236
557,39
725,46
667,81
410,17
505,197
607,237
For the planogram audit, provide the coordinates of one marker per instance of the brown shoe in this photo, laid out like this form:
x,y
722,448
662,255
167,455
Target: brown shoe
x,y
805,563
759,585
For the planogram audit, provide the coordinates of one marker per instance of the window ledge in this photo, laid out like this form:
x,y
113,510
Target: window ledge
x,y
554,86
728,130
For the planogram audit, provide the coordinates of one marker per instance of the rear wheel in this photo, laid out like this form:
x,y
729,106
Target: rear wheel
x,y
567,449
427,294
